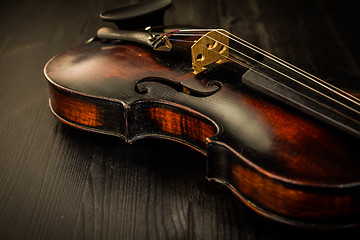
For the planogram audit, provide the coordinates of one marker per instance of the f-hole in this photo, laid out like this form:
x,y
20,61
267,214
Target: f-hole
x,y
178,86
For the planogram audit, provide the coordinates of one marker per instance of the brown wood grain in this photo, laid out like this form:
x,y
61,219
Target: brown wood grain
x,y
60,183
310,171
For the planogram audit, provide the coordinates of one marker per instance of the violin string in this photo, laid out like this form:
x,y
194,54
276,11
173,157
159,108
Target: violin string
x,y
281,73
288,65
277,71
179,40
261,51
283,85
275,59
237,61
281,62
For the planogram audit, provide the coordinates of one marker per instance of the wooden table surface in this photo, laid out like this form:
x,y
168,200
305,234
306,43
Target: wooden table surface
x,y
60,183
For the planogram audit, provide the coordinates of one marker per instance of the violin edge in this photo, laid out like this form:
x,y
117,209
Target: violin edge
x,y
280,218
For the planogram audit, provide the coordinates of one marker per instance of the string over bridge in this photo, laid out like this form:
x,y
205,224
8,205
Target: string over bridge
x,y
212,47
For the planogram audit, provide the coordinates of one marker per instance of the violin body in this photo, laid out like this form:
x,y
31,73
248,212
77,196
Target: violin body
x,y
282,163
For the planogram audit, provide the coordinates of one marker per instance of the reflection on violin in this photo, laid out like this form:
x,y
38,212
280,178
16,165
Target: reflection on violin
x,y
282,140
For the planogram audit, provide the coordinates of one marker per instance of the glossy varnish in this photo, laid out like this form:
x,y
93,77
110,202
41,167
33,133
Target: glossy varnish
x,y
57,182
280,162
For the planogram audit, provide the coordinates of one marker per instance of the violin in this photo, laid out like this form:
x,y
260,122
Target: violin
x,y
282,140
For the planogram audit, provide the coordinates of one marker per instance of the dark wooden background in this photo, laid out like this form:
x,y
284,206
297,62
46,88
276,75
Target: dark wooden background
x,y
61,183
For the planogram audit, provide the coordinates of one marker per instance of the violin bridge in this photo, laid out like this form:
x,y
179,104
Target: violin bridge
x,y
213,47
